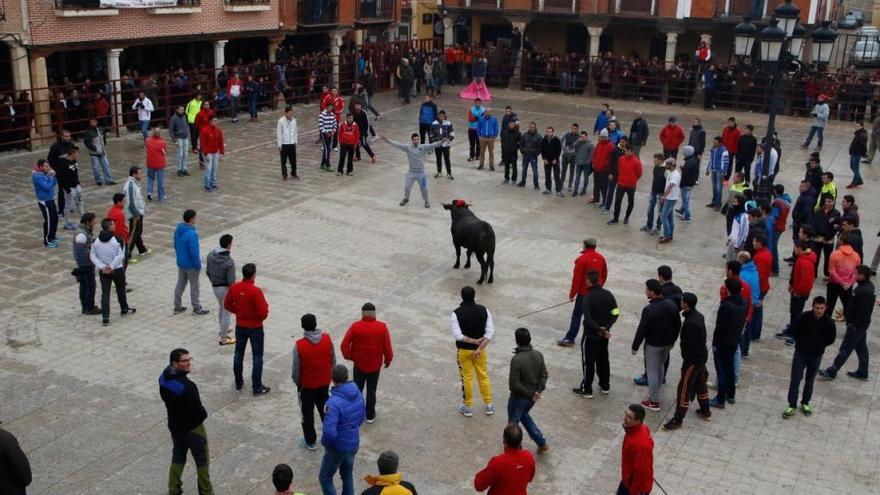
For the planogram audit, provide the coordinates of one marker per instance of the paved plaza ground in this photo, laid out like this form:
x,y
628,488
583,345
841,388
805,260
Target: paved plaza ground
x,y
83,399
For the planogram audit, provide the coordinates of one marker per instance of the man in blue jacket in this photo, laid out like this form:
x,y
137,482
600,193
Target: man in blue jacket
x,y
487,131
189,263
343,415
427,116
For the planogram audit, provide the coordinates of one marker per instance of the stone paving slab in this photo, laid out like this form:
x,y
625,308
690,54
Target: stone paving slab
x,y
83,399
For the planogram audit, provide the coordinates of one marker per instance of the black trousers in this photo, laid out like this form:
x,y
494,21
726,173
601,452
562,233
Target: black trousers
x,y
327,146
424,129
670,154
473,146
288,153
834,292
118,279
745,167
630,193
600,186
136,234
371,381
365,145
346,155
87,287
442,154
311,399
732,158
509,161
551,173
692,384
823,249
594,360
194,137
726,376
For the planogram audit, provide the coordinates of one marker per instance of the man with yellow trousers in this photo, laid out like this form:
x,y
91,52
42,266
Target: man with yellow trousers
x,y
472,329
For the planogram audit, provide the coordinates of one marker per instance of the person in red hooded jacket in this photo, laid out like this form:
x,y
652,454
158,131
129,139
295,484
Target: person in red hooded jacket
x,y
730,139
203,119
637,459
589,260
349,136
368,344
671,137
629,170
511,472
601,167
803,276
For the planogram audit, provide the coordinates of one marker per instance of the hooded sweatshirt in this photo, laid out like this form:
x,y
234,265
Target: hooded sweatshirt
x,y
388,484
803,274
690,171
182,401
44,185
415,154
842,266
107,251
220,268
344,413
313,360
697,140
186,247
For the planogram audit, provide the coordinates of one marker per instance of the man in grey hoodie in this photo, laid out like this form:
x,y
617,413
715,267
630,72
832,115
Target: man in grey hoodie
x,y
220,269
569,154
313,362
416,153
584,160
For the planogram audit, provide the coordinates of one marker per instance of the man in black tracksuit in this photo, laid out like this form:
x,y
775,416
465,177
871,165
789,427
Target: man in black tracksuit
x,y
858,318
693,363
729,322
812,332
186,416
600,314
746,149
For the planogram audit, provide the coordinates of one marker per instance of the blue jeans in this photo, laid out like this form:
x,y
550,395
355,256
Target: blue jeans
x,y
686,202
101,169
577,314
145,128
182,148
802,368
717,185
854,161
518,412
820,131
651,204
583,169
211,162
343,462
157,175
252,106
774,250
242,335
666,217
529,160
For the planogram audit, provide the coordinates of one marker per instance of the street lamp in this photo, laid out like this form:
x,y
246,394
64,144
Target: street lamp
x,y
797,41
787,13
744,36
823,43
772,39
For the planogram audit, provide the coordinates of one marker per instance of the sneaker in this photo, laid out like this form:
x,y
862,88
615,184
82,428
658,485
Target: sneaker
x,y
546,192
99,183
200,312
105,321
827,375
645,229
789,412
626,221
149,197
686,220
134,261
543,449
450,177
465,411
806,409
732,400
606,390
490,409
672,424
338,174
285,179
613,221
52,244
714,402
93,311
350,174
789,342
208,189
565,343
427,204
857,375
641,380
262,391
707,416
226,340
147,252
649,404
371,420
306,445
128,311
404,202
586,394
179,309
437,175
783,334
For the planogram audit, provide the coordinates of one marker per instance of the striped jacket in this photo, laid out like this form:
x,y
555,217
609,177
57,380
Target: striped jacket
x,y
327,123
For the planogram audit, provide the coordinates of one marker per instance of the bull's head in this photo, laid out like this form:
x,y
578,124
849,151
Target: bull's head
x,y
457,203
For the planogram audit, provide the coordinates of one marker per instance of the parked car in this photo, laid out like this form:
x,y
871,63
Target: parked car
x,y
866,50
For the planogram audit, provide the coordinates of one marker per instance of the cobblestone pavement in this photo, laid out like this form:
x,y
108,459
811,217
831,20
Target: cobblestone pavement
x,y
83,399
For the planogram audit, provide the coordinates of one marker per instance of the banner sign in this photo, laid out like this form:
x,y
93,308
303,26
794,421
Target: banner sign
x,y
137,4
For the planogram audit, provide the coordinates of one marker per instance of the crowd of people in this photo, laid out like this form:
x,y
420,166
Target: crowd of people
x,y
756,212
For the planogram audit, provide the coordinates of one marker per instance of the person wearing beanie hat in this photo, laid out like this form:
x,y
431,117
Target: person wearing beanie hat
x,y
603,133
313,361
389,481
820,113
472,328
671,137
690,173
367,343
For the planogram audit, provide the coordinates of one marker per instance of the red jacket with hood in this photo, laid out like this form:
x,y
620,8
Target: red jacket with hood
x,y
589,260
637,461
803,274
629,170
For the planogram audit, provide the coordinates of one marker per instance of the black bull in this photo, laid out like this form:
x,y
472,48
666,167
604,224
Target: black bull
x,y
476,236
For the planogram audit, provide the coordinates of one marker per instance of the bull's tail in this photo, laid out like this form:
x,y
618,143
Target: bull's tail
x,y
488,240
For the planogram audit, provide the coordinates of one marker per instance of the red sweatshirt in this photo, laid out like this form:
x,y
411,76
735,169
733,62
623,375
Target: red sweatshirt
x,y
637,460
763,262
121,228
589,260
156,149
803,275
629,170
601,155
368,343
349,134
211,140
671,137
203,118
730,139
247,302
507,474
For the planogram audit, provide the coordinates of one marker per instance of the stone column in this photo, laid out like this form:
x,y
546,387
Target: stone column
x,y
671,42
220,53
517,71
21,71
335,44
448,32
595,32
114,73
273,46
41,96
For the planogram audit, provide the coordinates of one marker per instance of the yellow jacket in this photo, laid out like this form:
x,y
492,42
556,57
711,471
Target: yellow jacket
x,y
388,484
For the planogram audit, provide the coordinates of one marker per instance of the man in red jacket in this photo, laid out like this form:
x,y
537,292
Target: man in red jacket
x,y
589,260
247,302
803,276
601,168
637,460
212,146
511,472
203,118
671,137
629,170
116,214
763,260
730,139
349,136
313,361
368,344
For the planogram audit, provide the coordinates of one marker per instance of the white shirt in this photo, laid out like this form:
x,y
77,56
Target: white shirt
x,y
459,336
673,179
286,132
143,113
107,254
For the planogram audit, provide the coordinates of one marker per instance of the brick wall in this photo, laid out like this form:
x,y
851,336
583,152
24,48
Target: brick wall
x,y
136,24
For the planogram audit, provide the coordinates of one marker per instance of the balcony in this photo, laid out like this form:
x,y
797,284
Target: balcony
x,y
739,8
314,13
179,7
246,5
82,8
485,4
556,6
640,8
374,11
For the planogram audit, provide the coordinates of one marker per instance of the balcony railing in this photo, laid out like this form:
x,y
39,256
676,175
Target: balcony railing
x,y
485,4
372,10
739,8
556,6
317,12
636,7
96,4
246,2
